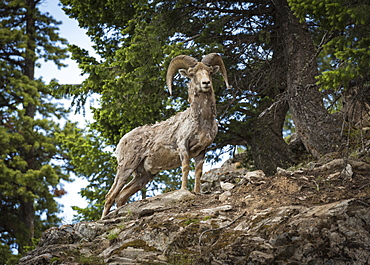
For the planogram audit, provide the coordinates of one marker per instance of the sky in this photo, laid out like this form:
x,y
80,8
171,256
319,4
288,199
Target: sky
x,y
67,75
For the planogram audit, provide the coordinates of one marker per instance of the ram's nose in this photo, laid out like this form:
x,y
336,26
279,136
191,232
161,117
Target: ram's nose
x,y
206,85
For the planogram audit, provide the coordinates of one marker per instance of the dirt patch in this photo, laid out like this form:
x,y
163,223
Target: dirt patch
x,y
305,187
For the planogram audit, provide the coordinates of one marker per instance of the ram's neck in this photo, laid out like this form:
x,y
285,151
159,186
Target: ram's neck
x,y
203,106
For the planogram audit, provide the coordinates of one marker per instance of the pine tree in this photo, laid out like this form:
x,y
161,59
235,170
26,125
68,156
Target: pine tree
x,y
30,154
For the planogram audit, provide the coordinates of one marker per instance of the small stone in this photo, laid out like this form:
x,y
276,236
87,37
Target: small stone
x,y
227,186
224,196
311,165
255,177
241,227
282,171
215,210
255,174
260,257
347,172
334,175
162,257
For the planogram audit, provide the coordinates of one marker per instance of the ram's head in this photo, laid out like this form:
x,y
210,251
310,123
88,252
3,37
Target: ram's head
x,y
199,73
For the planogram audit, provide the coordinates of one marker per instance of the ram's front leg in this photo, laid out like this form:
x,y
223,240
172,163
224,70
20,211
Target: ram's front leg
x,y
199,161
185,172
185,166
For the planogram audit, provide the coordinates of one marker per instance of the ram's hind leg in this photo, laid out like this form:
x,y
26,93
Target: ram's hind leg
x,y
137,183
119,181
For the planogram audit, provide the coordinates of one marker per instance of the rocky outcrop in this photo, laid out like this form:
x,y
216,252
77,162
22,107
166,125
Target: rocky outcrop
x,y
307,216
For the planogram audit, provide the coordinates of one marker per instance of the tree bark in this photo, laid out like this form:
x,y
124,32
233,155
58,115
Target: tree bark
x,y
27,217
269,150
319,131
27,210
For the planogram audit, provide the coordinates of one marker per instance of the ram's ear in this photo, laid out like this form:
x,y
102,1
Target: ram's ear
x,y
184,72
215,69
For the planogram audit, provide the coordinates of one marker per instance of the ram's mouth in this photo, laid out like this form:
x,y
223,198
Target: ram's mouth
x,y
205,89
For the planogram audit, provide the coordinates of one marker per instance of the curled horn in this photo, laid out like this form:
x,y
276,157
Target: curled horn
x,y
181,61
215,59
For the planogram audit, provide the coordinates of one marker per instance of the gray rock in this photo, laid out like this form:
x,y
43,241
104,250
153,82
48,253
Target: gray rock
x,y
181,227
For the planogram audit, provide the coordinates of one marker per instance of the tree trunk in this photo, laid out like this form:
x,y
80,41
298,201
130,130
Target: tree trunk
x,y
27,217
268,147
30,54
27,210
319,131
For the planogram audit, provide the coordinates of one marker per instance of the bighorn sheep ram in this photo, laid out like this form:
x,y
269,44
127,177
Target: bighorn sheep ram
x,y
146,150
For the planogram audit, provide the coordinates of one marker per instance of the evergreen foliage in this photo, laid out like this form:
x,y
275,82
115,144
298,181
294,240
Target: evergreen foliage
x,y
88,159
342,32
